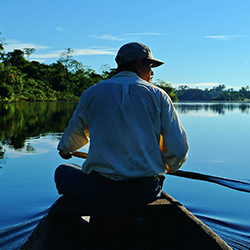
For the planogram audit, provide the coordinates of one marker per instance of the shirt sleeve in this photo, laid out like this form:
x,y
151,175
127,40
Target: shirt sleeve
x,y
74,137
174,146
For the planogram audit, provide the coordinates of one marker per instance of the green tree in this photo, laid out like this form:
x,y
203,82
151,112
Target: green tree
x,y
107,72
167,88
66,58
2,43
245,92
29,51
15,58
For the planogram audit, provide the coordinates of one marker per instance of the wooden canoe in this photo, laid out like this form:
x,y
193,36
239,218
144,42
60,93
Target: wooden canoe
x,y
163,224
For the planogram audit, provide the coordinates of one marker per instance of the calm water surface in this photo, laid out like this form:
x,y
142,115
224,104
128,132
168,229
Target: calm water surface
x,y
219,138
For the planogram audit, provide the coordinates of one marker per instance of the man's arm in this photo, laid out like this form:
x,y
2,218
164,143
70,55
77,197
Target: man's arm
x,y
65,156
173,143
74,137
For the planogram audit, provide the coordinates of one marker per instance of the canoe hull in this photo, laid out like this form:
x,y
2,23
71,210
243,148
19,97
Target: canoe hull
x,y
166,224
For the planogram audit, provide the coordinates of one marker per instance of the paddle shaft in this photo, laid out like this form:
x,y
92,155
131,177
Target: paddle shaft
x,y
80,154
85,156
237,185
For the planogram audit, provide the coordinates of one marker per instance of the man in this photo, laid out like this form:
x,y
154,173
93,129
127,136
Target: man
x,y
134,132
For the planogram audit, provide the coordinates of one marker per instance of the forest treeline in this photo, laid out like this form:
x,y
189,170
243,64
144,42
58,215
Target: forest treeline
x,y
66,79
218,93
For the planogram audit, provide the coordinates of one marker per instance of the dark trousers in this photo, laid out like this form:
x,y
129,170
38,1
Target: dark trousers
x,y
96,189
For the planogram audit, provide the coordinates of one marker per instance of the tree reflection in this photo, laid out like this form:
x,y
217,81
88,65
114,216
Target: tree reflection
x,y
244,108
2,151
220,108
21,121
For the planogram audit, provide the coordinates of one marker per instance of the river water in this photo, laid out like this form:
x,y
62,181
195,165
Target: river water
x,y
219,138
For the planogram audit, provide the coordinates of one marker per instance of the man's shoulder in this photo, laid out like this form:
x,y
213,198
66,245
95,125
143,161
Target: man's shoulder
x,y
126,78
153,88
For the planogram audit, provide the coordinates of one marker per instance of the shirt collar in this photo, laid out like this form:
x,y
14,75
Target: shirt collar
x,y
127,73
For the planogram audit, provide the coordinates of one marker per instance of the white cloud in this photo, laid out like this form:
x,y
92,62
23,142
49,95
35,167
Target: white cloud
x,y
40,60
143,34
106,37
77,52
41,57
45,56
121,37
220,160
225,37
12,44
60,29
94,51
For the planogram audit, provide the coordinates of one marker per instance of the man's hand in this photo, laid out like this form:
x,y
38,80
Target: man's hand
x,y
65,156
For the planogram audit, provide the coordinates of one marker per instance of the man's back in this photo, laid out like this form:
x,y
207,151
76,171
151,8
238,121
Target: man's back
x,y
123,115
134,132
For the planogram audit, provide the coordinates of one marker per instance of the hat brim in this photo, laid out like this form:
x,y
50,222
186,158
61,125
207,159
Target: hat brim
x,y
156,63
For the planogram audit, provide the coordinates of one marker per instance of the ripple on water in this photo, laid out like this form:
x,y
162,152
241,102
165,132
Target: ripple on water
x,y
15,236
237,236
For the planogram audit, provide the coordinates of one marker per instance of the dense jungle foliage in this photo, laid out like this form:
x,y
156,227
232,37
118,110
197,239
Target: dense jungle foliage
x,y
66,79
219,93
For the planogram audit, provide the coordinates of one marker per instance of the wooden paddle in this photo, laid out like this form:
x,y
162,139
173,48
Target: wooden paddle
x,y
239,185
80,154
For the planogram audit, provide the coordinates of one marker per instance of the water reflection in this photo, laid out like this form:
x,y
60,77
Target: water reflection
x,y
23,120
224,154
219,108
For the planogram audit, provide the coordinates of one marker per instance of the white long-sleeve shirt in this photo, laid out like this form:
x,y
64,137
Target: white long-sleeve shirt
x,y
126,116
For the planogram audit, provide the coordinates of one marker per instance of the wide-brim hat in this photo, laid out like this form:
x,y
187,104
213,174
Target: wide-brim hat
x,y
132,51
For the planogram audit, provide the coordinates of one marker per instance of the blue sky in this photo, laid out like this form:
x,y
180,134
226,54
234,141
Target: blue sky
x,y
203,43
